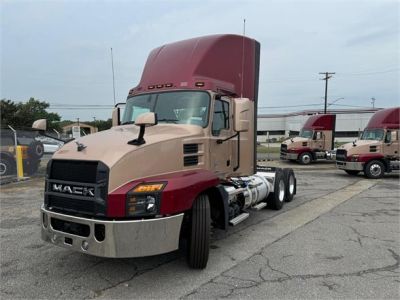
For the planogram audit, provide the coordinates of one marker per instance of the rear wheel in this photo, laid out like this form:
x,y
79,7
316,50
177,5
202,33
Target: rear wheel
x,y
374,169
352,172
276,199
199,238
290,182
305,158
36,150
7,166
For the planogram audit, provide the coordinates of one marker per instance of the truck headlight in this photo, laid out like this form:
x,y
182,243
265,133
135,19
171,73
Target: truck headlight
x,y
354,157
144,199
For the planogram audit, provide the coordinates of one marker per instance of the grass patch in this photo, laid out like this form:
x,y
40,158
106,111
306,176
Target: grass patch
x,y
263,149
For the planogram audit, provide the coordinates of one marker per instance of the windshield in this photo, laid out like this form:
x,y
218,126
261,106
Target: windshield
x,y
183,107
304,133
372,134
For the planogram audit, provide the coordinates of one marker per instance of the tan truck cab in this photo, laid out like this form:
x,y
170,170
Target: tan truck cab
x,y
377,150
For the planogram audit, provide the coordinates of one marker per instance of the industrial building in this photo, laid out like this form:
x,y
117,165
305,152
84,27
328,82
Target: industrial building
x,y
349,123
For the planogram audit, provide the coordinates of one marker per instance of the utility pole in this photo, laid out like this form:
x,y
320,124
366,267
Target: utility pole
x,y
373,102
112,67
327,76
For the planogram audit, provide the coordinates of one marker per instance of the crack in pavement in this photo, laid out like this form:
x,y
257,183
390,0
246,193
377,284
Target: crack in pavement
x,y
288,277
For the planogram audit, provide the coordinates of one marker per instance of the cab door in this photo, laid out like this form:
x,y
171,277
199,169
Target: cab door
x,y
318,142
221,128
391,144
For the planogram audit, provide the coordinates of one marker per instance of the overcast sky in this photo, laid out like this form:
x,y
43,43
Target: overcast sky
x,y
59,51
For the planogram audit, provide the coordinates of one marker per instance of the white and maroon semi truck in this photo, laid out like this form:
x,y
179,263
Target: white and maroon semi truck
x,y
377,151
316,140
181,158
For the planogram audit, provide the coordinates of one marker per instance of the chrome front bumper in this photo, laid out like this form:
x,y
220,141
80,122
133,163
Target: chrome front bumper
x,y
289,156
350,165
122,238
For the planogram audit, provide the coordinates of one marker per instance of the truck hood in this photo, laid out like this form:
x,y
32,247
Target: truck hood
x,y
361,147
359,143
161,154
295,142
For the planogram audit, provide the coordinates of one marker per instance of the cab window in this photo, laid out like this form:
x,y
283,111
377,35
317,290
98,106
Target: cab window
x,y
221,117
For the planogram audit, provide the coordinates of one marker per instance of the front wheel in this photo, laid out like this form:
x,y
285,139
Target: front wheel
x,y
374,169
199,239
352,172
305,158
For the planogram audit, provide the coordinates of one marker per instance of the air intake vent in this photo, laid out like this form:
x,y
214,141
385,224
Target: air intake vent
x,y
191,160
190,148
304,144
372,148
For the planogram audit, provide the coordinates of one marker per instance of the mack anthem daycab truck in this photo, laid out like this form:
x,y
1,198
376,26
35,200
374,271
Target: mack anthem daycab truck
x,y
315,141
181,159
377,150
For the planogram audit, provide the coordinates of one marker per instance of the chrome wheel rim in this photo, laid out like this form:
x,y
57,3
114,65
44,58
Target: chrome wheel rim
x,y
291,185
3,169
281,190
375,170
306,159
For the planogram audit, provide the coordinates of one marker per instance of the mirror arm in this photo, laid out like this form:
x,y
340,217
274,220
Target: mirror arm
x,y
238,153
227,139
140,140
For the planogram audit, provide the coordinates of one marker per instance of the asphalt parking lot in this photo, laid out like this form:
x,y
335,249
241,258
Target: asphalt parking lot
x,y
339,238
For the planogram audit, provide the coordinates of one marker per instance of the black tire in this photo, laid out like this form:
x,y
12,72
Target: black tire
x,y
290,184
33,167
305,158
375,169
352,172
35,150
275,200
199,239
7,166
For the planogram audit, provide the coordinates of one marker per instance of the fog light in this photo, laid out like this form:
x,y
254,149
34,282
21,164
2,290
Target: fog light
x,y
85,245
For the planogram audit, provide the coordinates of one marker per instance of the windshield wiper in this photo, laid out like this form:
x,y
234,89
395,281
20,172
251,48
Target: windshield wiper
x,y
168,120
129,122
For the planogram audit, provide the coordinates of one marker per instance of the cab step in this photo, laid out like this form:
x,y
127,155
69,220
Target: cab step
x,y
259,206
239,218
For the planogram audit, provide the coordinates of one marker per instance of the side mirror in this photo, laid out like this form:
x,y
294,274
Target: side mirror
x,y
115,116
40,125
143,121
241,114
146,119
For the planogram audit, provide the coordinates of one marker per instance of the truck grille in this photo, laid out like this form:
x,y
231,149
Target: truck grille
x,y
70,174
341,155
77,171
283,149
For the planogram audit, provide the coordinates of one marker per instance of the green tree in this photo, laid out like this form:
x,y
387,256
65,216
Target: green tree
x,y
22,115
101,124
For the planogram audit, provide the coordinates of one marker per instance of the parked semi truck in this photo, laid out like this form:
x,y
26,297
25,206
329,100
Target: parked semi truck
x,y
377,150
181,158
315,141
